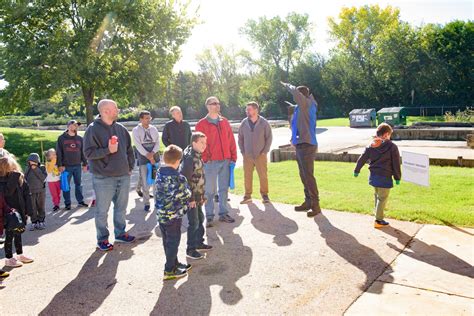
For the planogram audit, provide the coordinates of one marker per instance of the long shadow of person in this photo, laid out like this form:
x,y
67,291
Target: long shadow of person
x,y
271,222
229,261
431,254
360,256
93,284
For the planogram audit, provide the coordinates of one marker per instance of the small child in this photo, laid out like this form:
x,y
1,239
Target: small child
x,y
53,178
36,175
384,162
16,195
192,167
171,202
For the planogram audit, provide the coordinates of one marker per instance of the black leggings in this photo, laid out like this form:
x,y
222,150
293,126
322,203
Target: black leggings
x,y
10,238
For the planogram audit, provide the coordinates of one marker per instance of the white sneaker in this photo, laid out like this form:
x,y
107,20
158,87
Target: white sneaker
x,y
24,259
41,225
13,263
32,226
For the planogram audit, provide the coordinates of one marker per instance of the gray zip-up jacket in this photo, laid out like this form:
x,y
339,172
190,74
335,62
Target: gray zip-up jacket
x,y
96,149
35,177
256,141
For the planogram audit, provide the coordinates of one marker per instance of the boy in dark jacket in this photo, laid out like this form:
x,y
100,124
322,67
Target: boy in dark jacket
x,y
384,162
192,167
36,175
171,203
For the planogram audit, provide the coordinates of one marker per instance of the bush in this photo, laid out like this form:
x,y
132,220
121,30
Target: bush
x,y
466,116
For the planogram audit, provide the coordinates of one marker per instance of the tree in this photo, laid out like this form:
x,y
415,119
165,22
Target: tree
x,y
119,49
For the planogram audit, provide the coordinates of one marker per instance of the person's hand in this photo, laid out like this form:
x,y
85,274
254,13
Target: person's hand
x,y
397,182
150,155
113,147
356,174
192,204
152,160
61,169
84,168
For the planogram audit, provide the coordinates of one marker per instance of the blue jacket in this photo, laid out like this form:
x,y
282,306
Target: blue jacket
x,y
172,194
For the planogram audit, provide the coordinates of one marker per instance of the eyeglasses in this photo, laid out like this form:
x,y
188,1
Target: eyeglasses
x,y
214,103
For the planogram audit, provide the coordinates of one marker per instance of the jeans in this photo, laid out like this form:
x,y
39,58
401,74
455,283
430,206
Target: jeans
x,y
171,235
107,190
217,175
10,238
195,228
76,172
381,198
305,155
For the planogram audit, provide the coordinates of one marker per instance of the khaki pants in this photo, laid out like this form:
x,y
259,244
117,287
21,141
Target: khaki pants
x,y
381,198
260,163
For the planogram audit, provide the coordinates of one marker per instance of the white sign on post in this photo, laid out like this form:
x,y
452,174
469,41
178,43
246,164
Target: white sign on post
x,y
416,168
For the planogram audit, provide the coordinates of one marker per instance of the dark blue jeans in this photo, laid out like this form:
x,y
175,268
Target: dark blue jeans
x,y
195,228
76,172
171,235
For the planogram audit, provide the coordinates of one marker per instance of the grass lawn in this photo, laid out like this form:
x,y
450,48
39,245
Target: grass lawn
x,y
21,141
448,201
340,121
414,119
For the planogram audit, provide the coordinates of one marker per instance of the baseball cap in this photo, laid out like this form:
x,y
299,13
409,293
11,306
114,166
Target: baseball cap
x,y
73,122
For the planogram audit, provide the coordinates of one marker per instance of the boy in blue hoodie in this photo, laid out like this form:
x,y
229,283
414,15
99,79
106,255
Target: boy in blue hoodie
x,y
384,163
172,194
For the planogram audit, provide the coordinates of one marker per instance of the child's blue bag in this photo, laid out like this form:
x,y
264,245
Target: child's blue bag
x,y
64,181
150,173
231,178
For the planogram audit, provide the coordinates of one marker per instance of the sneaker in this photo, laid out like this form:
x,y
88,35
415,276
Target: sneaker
x,y
204,247
175,274
125,238
315,210
246,199
226,219
82,204
41,225
303,207
146,208
4,274
140,193
55,208
105,245
265,199
32,227
194,254
13,263
380,224
67,207
24,259
184,266
209,223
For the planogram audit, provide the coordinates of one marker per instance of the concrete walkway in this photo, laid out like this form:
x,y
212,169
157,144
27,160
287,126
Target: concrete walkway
x,y
272,260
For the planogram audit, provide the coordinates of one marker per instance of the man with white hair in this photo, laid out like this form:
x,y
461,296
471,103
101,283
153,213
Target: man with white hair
x,y
177,131
108,148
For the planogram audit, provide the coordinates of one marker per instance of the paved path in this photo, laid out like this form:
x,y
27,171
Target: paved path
x,y
272,260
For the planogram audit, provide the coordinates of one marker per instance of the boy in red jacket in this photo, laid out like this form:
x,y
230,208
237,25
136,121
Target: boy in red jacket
x,y
221,150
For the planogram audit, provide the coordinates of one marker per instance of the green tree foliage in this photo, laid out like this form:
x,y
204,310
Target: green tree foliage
x,y
120,49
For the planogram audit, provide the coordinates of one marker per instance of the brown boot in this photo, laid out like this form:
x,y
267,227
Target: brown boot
x,y
315,210
303,207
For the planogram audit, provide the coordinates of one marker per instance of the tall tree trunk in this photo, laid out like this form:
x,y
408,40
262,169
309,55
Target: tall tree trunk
x,y
88,94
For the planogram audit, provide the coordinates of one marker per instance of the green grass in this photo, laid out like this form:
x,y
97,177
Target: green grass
x,y
414,119
340,121
448,201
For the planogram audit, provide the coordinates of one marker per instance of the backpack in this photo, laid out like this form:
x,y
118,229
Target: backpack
x,y
12,220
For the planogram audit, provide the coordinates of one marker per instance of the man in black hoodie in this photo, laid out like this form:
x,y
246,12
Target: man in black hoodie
x,y
69,158
108,148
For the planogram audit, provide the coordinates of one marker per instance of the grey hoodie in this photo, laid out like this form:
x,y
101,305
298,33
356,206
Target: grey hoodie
x,y
96,149
35,177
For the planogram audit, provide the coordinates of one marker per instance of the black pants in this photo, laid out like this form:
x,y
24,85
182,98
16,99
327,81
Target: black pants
x,y
38,202
171,235
10,238
305,155
195,228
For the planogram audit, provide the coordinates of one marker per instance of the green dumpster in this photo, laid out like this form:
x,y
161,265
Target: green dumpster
x,y
393,116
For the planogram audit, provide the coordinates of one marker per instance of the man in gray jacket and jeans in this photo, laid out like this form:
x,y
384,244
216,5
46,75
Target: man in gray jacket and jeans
x,y
255,139
108,148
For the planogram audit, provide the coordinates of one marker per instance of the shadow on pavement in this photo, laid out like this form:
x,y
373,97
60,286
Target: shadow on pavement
x,y
431,254
270,221
224,265
360,256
